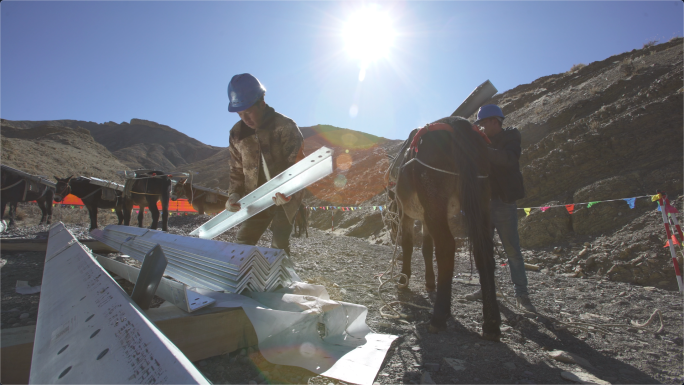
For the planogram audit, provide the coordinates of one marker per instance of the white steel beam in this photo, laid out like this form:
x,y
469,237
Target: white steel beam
x,y
90,332
307,171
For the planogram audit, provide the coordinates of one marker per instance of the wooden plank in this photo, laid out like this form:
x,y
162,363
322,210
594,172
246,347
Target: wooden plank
x,y
213,332
210,333
41,245
15,354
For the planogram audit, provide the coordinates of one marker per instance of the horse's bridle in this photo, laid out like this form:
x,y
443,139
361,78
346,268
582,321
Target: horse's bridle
x,y
61,194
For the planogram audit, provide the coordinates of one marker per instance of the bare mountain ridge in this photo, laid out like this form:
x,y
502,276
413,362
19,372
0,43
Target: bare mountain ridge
x,y
57,151
140,143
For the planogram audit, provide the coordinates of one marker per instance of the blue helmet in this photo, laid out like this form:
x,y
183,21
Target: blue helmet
x,y
243,91
489,110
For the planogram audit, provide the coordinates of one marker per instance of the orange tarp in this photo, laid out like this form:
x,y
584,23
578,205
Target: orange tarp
x,y
181,205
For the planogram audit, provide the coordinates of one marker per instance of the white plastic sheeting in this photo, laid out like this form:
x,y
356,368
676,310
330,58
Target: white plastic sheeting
x,y
287,326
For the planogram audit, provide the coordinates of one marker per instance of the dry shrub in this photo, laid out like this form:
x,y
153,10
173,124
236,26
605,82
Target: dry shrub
x,y
576,67
594,125
650,44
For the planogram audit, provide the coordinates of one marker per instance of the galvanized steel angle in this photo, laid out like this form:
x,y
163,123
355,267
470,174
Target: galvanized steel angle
x,y
302,174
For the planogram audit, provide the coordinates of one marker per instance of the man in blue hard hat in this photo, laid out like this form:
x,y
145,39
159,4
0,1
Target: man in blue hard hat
x,y
263,144
507,186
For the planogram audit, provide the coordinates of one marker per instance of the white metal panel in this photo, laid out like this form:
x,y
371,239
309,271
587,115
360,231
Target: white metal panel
x,y
90,332
302,174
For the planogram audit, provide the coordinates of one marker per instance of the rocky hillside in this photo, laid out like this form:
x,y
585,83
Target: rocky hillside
x,y
140,143
607,130
57,150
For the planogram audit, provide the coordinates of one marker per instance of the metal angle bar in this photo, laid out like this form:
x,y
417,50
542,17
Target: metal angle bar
x,y
302,174
204,263
177,293
89,331
151,273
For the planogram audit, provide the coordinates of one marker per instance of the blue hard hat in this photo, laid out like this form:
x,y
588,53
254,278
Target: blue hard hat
x,y
489,110
243,91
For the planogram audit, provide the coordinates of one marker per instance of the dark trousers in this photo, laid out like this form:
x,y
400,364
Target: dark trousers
x,y
252,229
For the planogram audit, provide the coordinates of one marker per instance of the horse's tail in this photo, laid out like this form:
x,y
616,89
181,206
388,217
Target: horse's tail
x,y
473,188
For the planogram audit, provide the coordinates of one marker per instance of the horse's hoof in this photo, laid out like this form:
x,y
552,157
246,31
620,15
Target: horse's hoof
x,y
430,289
492,337
435,330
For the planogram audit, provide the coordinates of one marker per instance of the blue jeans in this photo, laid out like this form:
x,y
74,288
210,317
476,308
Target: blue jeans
x,y
505,221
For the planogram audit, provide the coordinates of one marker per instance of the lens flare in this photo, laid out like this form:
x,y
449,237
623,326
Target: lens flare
x,y
368,35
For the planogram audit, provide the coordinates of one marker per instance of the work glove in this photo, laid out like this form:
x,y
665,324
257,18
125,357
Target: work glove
x,y
231,203
280,199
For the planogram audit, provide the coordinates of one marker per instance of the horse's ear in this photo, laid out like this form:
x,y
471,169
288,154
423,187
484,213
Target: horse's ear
x,y
56,178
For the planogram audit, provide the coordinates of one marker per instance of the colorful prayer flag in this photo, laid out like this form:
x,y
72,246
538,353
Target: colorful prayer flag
x,y
630,202
543,209
570,208
592,203
527,211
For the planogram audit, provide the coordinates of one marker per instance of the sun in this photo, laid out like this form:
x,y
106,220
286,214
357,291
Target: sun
x,y
368,35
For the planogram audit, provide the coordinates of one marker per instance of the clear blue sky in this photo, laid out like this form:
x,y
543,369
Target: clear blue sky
x,y
170,62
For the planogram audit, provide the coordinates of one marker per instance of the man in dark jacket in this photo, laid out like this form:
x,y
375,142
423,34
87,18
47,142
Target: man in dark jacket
x,y
263,144
507,187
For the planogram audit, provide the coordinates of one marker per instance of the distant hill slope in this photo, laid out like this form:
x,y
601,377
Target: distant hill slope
x,y
57,151
140,143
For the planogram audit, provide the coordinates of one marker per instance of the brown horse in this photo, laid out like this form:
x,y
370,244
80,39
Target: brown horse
x,y
202,200
91,195
145,189
16,188
445,176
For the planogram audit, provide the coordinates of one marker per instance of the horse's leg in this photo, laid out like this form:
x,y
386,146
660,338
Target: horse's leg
x,y
165,211
2,213
406,248
427,257
12,213
200,208
127,208
92,211
48,204
118,208
43,210
483,253
141,214
154,210
445,248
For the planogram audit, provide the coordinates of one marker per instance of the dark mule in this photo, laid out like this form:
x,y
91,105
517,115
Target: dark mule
x,y
145,190
203,201
300,222
91,195
16,188
447,177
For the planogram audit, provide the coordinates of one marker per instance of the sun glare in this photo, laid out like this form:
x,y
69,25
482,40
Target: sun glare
x,y
368,35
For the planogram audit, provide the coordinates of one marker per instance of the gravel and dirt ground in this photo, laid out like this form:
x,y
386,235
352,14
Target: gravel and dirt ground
x,y
349,268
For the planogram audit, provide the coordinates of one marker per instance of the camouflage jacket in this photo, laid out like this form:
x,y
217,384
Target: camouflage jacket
x,y
280,142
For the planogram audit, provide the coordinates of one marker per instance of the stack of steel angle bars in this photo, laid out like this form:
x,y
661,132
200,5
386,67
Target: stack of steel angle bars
x,y
213,265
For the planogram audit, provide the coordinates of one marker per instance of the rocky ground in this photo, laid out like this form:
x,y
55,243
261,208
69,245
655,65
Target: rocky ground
x,y
349,268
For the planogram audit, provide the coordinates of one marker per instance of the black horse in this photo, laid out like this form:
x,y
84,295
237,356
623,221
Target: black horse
x,y
91,195
16,188
299,222
203,201
445,176
145,190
